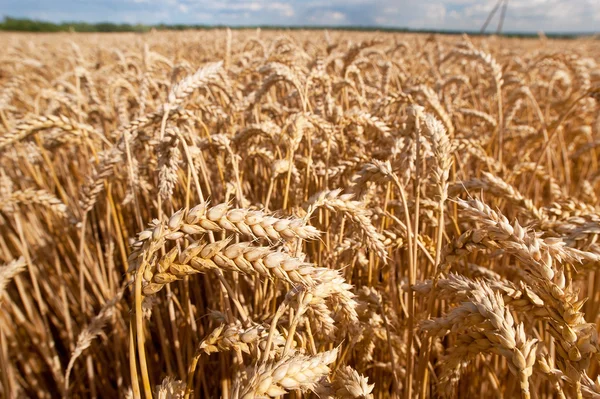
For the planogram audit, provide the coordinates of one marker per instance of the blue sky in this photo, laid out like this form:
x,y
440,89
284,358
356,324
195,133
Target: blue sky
x,y
522,15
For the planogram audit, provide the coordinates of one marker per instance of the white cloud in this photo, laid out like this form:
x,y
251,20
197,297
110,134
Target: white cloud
x,y
337,16
284,9
252,6
432,16
328,17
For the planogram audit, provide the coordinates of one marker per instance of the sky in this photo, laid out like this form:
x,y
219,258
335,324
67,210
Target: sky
x,y
469,15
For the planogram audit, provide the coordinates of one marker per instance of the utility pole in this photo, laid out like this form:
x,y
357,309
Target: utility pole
x,y
504,4
502,15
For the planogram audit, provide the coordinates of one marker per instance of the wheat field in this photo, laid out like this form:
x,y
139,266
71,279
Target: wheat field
x,y
246,214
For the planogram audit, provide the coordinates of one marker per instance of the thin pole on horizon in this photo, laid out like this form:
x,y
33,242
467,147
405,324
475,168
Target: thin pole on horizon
x,y
502,15
490,16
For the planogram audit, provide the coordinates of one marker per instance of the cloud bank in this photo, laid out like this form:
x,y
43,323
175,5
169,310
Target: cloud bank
x,y
522,15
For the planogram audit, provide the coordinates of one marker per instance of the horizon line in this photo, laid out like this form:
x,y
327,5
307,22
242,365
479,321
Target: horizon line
x,y
365,28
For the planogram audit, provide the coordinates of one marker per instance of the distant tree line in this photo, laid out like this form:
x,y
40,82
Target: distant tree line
x,y
28,25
